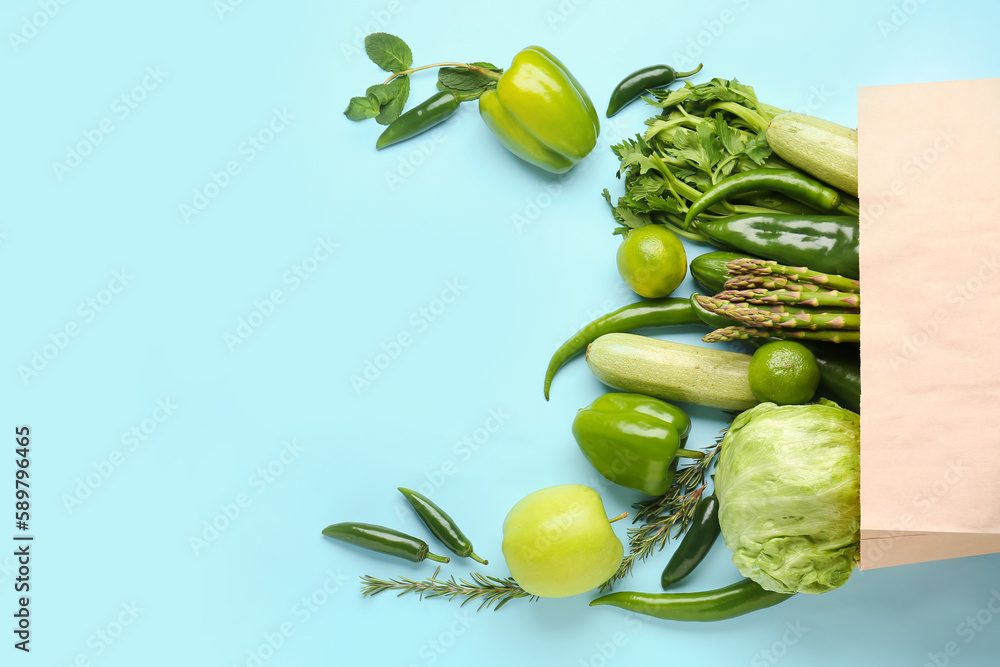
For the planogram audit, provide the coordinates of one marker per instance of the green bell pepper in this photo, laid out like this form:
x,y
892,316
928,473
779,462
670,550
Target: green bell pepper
x,y
632,439
541,113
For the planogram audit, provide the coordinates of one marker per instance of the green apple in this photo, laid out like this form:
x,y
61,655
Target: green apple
x,y
558,542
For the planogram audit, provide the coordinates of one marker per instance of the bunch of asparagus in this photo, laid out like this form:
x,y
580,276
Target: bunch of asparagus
x,y
771,300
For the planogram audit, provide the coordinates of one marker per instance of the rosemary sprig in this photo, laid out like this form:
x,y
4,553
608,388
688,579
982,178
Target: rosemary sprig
x,y
491,590
666,516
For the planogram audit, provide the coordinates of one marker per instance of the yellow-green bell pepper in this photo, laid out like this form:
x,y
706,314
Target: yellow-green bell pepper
x,y
541,113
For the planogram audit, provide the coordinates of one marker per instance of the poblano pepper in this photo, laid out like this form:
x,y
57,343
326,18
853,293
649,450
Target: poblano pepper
x,y
540,112
632,439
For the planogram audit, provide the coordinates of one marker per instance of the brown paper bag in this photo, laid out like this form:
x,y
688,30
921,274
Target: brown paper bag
x,y
929,171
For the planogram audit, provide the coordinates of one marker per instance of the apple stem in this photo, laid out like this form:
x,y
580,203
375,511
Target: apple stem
x,y
620,516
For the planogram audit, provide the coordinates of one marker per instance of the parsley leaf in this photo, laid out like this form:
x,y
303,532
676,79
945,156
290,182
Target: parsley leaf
x,y
758,149
388,51
731,139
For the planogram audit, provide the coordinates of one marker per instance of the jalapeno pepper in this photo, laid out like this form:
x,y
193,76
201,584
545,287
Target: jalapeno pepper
x,y
839,370
720,604
540,112
632,440
437,109
383,540
668,311
441,525
701,535
826,243
798,186
707,317
642,80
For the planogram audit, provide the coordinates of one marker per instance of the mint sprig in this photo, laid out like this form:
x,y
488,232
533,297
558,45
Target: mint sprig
x,y
385,101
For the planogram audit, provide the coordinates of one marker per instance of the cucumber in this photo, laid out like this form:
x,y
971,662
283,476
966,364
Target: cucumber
x,y
822,149
709,270
672,371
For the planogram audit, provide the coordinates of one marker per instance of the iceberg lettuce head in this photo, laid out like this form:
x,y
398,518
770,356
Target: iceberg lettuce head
x,y
788,487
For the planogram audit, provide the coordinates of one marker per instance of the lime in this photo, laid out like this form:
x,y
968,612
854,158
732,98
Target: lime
x,y
784,372
651,260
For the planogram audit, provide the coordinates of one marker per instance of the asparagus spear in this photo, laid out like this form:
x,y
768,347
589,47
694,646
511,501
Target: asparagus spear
x,y
763,267
817,299
742,333
773,281
799,319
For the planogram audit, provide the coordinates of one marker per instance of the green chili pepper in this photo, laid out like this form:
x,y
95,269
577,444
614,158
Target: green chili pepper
x,y
825,243
436,109
701,535
720,604
383,540
642,80
442,525
668,311
798,186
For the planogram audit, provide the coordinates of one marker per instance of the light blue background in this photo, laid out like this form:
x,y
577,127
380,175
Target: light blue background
x,y
525,258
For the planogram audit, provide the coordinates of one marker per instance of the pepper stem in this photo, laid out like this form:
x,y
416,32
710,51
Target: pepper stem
x,y
440,559
478,70
681,75
620,516
474,557
846,209
691,453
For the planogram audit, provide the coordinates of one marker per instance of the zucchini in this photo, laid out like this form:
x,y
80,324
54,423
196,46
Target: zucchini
x,y
823,149
672,371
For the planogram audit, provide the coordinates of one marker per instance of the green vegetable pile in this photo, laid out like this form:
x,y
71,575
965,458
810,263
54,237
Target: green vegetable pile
x,y
776,194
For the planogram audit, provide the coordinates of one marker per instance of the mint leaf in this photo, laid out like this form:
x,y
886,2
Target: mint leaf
x,y
466,83
360,108
380,93
388,51
463,80
399,91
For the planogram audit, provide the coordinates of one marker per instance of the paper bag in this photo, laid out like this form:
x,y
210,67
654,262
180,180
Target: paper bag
x,y
929,171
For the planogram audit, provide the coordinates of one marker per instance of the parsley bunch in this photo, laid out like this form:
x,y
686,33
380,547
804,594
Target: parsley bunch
x,y
704,133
